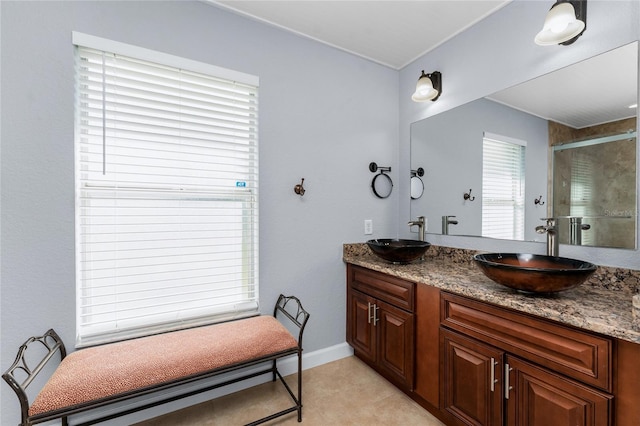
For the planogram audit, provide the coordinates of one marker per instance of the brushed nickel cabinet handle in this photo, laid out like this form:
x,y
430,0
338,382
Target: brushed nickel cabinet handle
x,y
493,374
507,388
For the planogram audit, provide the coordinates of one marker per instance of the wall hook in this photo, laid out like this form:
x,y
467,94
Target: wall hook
x,y
467,196
538,201
299,189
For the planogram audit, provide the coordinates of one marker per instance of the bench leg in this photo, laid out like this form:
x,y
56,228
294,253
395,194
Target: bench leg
x,y
299,387
274,370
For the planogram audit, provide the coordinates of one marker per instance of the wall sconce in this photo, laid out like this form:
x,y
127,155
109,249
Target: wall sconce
x,y
565,22
429,87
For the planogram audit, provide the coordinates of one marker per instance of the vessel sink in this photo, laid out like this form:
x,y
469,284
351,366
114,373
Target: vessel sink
x,y
398,250
533,273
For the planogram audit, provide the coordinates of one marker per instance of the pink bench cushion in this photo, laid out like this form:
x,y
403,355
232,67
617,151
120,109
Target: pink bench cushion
x,y
103,371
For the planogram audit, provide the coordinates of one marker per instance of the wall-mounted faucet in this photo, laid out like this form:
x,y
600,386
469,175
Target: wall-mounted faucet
x,y
446,221
551,229
420,223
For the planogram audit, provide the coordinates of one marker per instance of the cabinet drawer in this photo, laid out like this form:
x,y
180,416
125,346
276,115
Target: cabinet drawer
x,y
577,354
389,289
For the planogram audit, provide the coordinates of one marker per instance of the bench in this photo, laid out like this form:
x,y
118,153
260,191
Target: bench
x,y
98,376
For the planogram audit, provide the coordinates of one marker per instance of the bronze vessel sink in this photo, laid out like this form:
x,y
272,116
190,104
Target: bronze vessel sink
x,y
534,273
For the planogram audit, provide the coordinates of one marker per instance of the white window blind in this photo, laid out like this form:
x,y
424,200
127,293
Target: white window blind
x,y
503,187
166,194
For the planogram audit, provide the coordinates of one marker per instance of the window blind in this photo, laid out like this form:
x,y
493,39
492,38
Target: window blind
x,y
503,187
166,196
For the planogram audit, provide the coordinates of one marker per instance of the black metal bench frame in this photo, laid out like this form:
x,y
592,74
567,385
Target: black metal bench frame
x,y
52,342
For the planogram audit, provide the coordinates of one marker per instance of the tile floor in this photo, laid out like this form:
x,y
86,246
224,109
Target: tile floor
x,y
344,392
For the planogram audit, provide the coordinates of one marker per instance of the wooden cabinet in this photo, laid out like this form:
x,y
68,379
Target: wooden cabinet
x,y
380,323
474,363
472,375
626,384
361,334
538,397
502,380
485,386
427,379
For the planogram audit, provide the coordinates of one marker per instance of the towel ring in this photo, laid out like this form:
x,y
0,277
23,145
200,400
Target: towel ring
x,y
382,185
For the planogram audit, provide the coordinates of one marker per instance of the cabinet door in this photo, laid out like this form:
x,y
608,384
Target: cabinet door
x,y
539,397
395,329
471,382
360,330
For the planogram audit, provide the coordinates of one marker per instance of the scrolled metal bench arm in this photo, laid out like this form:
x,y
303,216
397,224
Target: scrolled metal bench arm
x,y
52,342
299,318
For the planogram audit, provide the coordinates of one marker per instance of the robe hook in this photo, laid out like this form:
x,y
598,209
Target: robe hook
x,y
299,189
467,196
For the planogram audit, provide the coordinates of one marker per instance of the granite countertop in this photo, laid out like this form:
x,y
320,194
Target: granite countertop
x,y
603,304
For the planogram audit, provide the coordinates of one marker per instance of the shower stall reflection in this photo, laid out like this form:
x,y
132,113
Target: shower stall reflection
x,y
594,191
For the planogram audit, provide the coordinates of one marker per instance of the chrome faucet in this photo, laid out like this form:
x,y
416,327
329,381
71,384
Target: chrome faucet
x,y
551,229
420,223
446,221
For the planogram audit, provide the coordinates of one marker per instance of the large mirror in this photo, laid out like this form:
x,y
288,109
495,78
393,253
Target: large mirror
x,y
494,167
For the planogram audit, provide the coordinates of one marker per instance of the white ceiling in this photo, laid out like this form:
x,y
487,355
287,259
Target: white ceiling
x,y
396,32
389,32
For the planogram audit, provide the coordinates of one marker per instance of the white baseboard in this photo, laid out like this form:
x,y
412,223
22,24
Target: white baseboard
x,y
286,367
316,358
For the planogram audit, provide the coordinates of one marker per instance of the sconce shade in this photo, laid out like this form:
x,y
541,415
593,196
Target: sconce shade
x,y
562,25
428,88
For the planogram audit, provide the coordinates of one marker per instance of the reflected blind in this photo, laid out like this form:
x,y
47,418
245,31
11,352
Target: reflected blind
x,y
503,187
166,194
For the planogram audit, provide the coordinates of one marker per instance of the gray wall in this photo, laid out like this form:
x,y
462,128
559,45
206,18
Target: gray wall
x,y
496,53
319,119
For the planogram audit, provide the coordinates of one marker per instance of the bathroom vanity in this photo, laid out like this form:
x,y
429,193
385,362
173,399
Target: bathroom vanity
x,y
476,353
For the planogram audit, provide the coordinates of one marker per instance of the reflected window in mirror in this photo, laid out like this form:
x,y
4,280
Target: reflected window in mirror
x,y
503,172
